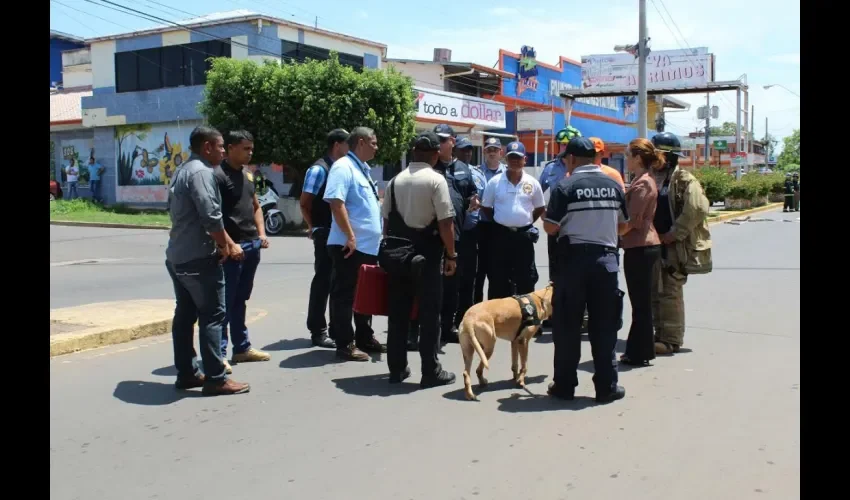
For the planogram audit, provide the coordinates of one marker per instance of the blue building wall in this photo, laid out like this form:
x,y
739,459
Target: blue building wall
x,y
56,47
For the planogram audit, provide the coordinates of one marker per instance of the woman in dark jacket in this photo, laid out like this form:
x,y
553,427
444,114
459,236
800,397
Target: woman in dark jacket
x,y
642,250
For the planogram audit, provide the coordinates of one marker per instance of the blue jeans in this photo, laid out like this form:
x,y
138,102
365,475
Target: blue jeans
x,y
72,190
199,291
239,276
94,186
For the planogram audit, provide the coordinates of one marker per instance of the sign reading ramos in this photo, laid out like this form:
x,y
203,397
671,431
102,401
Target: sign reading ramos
x,y
665,69
450,107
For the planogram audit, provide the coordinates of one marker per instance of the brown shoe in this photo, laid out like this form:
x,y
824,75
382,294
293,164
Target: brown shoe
x,y
371,345
251,355
189,382
225,388
663,348
351,353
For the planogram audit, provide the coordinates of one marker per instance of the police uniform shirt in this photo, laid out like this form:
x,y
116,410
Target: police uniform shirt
x,y
588,205
513,205
421,195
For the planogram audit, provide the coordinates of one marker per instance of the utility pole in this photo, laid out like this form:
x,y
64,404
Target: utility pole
x,y
766,143
642,104
707,126
753,125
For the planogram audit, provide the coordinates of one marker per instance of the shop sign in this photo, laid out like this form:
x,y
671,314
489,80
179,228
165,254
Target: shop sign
x,y
453,107
526,71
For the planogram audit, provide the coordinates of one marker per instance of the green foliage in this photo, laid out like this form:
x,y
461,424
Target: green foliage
x,y
52,161
84,210
754,185
715,182
790,152
728,128
790,168
290,107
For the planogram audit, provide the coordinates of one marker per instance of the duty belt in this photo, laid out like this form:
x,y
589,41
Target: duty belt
x,y
519,229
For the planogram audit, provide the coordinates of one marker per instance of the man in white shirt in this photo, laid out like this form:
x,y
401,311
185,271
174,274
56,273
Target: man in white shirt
x,y
72,173
514,201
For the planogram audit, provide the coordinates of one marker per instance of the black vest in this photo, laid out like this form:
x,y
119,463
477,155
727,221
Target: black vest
x,y
321,210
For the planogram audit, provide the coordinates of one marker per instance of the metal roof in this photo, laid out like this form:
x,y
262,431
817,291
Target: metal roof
x,y
66,36
66,105
711,87
218,18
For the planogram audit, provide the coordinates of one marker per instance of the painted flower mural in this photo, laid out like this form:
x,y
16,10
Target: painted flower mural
x,y
148,155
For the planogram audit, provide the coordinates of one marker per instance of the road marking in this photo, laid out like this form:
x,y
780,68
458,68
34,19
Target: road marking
x,y
85,261
258,315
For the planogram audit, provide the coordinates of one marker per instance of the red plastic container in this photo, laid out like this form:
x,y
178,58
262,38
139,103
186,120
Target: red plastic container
x,y
371,296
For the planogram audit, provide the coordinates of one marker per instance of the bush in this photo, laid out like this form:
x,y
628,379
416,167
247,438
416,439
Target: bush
x,y
715,182
776,182
761,184
742,190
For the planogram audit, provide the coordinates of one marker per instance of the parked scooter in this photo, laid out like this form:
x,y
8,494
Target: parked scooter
x,y
267,196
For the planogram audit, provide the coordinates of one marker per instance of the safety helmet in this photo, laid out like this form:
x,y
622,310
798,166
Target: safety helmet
x,y
564,135
668,143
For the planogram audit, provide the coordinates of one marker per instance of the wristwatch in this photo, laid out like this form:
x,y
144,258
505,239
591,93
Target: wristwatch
x,y
452,256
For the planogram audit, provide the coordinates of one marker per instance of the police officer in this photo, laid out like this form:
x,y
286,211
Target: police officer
x,y
796,192
467,267
491,167
418,207
514,200
587,213
788,206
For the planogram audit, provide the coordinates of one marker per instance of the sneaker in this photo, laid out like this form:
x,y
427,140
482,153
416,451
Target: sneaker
x,y
226,388
397,378
351,353
618,393
189,382
371,345
227,368
555,392
251,355
323,340
437,380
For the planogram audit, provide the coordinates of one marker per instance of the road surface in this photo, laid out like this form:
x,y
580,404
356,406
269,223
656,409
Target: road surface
x,y
719,420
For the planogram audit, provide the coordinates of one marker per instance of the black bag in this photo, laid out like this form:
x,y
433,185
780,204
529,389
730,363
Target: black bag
x,y
396,252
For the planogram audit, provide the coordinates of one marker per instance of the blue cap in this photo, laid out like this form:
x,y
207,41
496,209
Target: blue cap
x,y
581,147
463,143
443,130
492,142
515,148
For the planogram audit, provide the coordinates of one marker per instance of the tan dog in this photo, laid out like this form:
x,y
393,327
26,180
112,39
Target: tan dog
x,y
483,323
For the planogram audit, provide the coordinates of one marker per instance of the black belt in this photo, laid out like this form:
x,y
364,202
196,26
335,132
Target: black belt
x,y
518,229
591,248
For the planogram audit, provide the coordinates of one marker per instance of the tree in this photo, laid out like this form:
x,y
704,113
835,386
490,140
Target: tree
x,y
291,107
790,155
728,128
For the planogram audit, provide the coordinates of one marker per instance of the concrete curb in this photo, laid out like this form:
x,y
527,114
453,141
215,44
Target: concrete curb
x,y
112,225
120,322
742,213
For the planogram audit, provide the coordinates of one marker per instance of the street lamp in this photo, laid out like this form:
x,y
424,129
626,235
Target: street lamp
x,y
766,87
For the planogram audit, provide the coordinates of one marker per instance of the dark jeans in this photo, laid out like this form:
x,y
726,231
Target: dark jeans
x,y
638,263
320,288
587,278
94,186
199,292
72,190
401,294
239,282
343,286
467,273
512,268
485,230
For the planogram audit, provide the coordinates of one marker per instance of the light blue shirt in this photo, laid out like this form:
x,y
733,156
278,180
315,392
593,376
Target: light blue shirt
x,y
94,173
552,174
488,174
349,181
480,181
314,179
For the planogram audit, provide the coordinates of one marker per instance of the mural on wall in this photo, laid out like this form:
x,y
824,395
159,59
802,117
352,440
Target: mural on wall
x,y
148,155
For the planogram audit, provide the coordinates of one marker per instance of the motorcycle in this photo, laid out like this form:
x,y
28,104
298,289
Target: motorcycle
x,y
273,217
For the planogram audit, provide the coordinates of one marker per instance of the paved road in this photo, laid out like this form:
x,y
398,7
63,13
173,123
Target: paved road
x,y
719,421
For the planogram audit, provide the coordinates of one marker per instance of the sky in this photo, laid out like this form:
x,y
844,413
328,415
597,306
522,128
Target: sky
x,y
759,38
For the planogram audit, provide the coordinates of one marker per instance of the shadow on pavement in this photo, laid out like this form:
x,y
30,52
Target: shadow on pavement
x,y
310,359
521,403
289,345
165,371
374,385
139,392
499,385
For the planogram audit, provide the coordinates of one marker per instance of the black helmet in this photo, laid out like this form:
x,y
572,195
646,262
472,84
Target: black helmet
x,y
667,142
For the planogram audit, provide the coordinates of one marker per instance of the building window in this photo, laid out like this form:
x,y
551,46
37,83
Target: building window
x,y
293,51
165,67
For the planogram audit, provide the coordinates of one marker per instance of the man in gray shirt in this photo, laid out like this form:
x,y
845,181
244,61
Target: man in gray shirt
x,y
197,245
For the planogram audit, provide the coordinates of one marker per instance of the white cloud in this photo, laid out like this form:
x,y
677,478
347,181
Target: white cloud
x,y
791,58
504,11
363,14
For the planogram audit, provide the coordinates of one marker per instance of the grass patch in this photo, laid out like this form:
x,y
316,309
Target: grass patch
x,y
83,210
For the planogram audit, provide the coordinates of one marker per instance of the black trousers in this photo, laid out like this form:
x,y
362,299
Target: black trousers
x,y
639,266
451,285
588,277
512,269
485,230
467,272
343,286
320,287
552,249
401,291
789,202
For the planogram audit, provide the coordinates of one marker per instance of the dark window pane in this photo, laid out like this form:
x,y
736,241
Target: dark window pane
x,y
172,66
351,60
289,50
194,63
126,72
150,72
315,53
